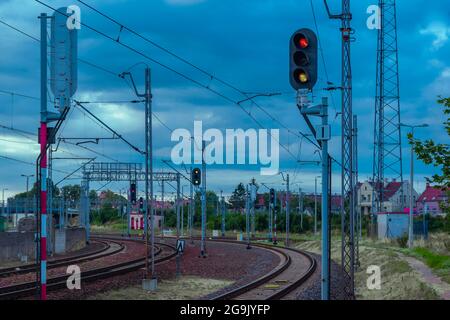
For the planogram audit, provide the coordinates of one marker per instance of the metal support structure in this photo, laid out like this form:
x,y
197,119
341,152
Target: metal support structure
x,y
347,180
85,207
222,211
43,162
203,241
315,205
247,217
357,212
323,135
178,211
387,157
274,208
163,211
191,209
300,207
288,212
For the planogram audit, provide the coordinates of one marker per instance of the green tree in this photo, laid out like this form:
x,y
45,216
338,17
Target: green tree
x,y
71,192
436,154
237,199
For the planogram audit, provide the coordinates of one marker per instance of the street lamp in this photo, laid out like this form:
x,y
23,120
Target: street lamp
x,y
27,196
411,205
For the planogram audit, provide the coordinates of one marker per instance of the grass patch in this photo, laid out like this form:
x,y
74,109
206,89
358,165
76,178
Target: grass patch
x,y
433,260
185,288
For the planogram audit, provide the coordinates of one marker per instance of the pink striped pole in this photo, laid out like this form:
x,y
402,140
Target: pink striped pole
x,y
43,238
43,160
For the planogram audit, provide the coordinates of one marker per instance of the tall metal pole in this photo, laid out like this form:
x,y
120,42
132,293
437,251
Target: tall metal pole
x,y
178,205
247,216
300,206
163,218
192,208
356,212
325,215
347,207
203,242
43,162
275,242
222,208
287,211
149,170
315,205
411,204
182,211
270,222
27,197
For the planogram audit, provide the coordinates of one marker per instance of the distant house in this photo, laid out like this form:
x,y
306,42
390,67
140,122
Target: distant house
x,y
393,201
431,199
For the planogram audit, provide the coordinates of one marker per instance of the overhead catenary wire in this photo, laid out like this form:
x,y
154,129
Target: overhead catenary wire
x,y
209,74
198,83
79,104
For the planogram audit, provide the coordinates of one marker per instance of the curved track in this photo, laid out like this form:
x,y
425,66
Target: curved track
x,y
297,267
109,248
163,251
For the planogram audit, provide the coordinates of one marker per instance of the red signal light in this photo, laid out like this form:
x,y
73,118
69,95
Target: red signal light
x,y
303,42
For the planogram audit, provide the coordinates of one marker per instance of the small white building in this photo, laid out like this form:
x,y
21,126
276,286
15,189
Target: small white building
x,y
137,221
392,225
393,201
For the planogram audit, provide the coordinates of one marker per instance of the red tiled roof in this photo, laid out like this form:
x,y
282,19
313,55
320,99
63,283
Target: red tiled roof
x,y
391,189
432,194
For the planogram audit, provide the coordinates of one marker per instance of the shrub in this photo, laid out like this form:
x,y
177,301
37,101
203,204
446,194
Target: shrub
x,y
403,241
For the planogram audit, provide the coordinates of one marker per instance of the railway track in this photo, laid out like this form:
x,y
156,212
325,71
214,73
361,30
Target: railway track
x,y
109,248
296,269
29,288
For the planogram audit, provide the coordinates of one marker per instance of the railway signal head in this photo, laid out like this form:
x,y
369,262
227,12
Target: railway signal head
x,y
272,196
196,177
303,59
133,193
141,203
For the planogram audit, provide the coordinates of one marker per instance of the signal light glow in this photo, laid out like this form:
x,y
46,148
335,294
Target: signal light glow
x,y
304,43
303,77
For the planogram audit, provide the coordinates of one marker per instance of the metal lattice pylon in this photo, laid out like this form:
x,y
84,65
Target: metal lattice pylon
x,y
347,207
348,168
387,145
